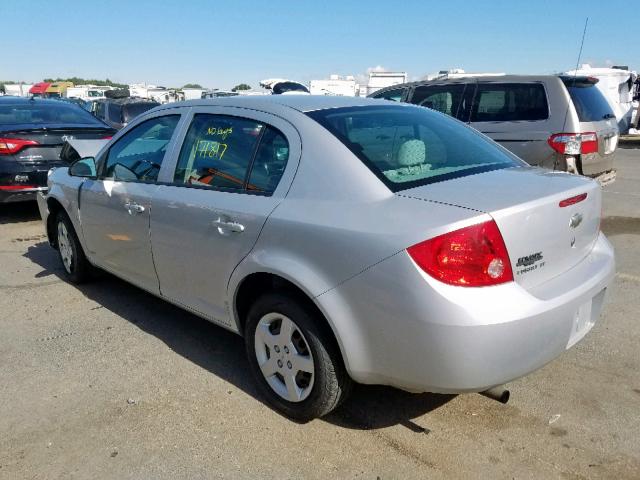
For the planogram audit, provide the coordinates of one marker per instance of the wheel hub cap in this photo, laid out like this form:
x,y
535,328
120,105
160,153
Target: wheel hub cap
x,y
64,246
284,357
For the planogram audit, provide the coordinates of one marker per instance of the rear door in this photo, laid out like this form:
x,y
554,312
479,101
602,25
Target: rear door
x,y
115,208
233,168
515,115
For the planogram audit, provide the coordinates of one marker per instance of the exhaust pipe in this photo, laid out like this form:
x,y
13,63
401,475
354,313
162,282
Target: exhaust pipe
x,y
499,394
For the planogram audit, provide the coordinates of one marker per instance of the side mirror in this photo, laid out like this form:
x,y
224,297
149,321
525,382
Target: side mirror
x,y
85,167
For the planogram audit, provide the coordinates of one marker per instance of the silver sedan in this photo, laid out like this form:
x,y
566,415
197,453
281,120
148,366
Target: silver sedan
x,y
346,239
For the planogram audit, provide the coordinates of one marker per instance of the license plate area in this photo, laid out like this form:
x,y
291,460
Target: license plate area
x,y
610,144
585,318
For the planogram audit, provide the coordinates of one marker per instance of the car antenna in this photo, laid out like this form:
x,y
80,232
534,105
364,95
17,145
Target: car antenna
x,y
575,74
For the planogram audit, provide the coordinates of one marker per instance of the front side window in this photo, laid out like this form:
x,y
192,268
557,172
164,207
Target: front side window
x,y
406,146
138,155
217,152
509,102
443,98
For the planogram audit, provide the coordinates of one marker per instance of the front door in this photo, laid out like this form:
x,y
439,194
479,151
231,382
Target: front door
x,y
115,208
228,178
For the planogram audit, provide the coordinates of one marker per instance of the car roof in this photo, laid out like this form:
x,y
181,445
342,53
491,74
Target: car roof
x,y
484,78
301,103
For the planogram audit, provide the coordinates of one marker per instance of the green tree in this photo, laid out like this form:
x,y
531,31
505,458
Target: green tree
x,y
192,85
242,86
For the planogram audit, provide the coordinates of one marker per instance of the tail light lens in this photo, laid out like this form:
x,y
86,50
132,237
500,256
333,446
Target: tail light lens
x,y
474,256
574,143
9,146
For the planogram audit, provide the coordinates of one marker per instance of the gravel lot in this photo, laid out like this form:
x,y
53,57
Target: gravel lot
x,y
107,381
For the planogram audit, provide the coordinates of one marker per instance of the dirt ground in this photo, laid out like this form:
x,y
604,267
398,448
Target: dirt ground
x,y
107,381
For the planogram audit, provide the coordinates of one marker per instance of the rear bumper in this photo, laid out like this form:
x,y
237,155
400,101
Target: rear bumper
x,y
21,182
20,195
397,326
607,177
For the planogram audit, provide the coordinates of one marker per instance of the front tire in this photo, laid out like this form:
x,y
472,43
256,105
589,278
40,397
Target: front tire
x,y
76,266
294,358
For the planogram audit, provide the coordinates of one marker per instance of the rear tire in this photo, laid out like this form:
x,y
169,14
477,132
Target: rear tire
x,y
294,358
76,267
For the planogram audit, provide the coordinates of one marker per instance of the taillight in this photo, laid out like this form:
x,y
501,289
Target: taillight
x,y
108,137
474,256
574,143
9,146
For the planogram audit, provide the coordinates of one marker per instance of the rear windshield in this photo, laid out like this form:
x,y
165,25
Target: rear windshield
x,y
407,146
132,110
590,103
54,113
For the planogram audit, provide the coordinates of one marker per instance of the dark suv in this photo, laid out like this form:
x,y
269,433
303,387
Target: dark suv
x,y
557,122
118,112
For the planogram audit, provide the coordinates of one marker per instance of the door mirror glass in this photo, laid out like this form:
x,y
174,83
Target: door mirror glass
x,y
85,167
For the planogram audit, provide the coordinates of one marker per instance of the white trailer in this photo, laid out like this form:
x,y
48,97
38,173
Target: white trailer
x,y
17,89
87,92
193,93
336,85
378,80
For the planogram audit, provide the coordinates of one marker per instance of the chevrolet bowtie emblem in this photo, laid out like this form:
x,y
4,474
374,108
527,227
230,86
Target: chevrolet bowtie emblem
x,y
575,220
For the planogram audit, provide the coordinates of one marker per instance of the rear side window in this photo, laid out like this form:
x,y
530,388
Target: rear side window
x,y
406,146
509,102
115,113
132,110
393,95
443,98
270,161
590,103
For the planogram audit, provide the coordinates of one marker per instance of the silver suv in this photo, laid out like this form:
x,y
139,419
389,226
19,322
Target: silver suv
x,y
557,122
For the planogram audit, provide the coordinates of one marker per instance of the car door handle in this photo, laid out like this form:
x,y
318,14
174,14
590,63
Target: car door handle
x,y
133,208
228,226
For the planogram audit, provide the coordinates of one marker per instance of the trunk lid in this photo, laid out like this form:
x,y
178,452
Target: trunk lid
x,y
543,239
50,142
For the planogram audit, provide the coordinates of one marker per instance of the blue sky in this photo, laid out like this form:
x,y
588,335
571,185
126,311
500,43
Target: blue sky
x,y
222,43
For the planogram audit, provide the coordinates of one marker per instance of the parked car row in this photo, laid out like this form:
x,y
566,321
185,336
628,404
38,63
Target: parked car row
x,y
350,239
557,122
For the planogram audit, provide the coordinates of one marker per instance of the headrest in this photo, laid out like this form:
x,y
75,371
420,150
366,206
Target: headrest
x,y
411,152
